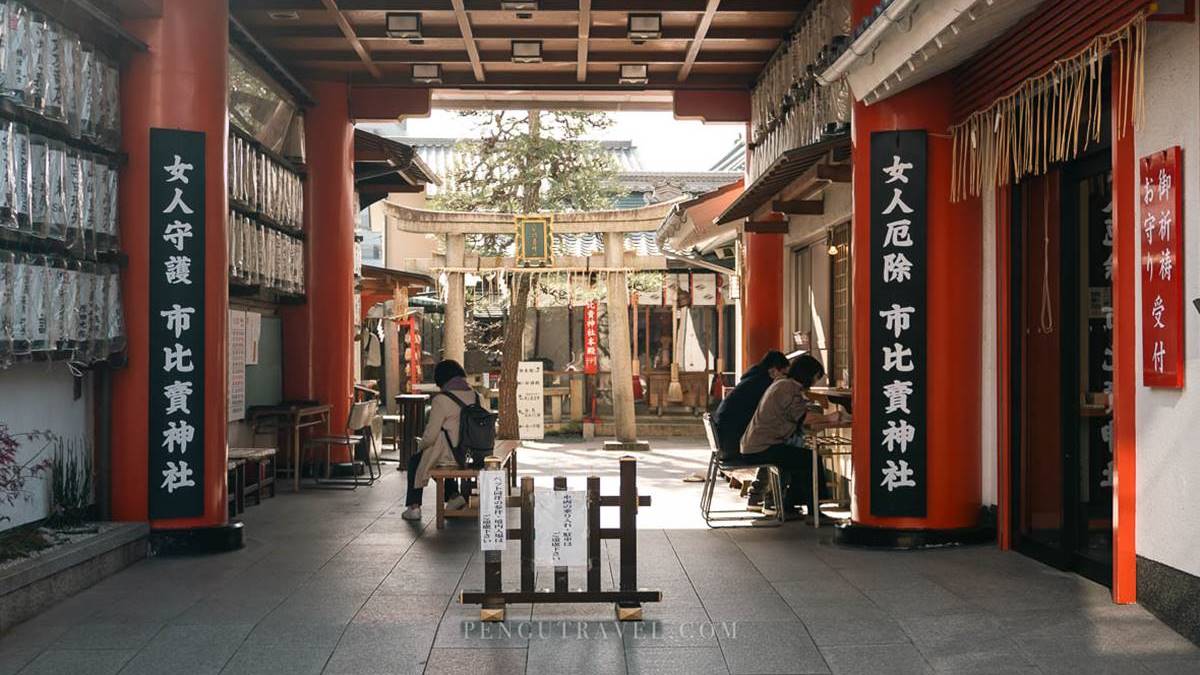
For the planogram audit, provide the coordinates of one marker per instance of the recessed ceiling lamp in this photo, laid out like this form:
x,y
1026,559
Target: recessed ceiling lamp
x,y
634,73
427,73
644,27
404,26
527,51
284,15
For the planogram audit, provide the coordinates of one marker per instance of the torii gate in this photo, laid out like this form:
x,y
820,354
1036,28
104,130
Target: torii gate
x,y
616,263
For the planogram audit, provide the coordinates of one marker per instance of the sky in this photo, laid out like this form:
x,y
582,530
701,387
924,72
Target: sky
x,y
663,143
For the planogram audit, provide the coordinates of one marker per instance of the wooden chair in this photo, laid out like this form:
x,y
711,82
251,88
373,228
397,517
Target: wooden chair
x,y
358,430
715,466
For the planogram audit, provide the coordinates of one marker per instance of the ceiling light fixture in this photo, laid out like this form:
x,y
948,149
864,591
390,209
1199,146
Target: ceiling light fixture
x,y
644,27
527,51
284,15
427,73
518,5
404,26
634,73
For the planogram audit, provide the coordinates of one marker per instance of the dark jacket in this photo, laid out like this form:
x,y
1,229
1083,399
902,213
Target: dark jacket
x,y
734,413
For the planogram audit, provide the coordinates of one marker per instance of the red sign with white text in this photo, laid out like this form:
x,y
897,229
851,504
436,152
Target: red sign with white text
x,y
591,338
1160,194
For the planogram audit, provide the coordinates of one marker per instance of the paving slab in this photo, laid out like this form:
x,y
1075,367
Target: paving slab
x,y
335,582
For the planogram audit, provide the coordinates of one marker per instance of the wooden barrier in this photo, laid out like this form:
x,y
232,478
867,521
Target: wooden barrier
x,y
628,598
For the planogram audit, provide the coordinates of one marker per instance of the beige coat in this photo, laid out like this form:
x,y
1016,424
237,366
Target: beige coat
x,y
435,451
778,416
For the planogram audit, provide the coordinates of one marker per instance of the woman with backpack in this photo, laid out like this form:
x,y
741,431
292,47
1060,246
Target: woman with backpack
x,y
440,444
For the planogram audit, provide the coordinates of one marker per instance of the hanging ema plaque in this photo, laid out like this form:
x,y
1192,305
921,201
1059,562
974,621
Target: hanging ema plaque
x,y
176,349
534,241
897,325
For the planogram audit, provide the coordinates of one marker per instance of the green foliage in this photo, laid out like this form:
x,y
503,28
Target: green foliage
x,y
532,162
71,482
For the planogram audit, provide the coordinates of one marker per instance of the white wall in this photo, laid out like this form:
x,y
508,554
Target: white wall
x,y
1168,422
990,330
813,231
40,396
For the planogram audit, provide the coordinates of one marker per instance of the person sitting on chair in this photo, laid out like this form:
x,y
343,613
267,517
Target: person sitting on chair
x,y
779,419
437,444
734,413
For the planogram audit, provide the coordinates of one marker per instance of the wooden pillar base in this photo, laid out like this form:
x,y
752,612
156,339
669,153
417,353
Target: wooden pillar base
x,y
491,615
629,612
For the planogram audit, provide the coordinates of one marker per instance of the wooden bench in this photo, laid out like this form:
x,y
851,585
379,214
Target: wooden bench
x,y
259,471
505,450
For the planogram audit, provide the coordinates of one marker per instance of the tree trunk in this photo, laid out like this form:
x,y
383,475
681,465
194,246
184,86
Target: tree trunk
x,y
514,330
512,352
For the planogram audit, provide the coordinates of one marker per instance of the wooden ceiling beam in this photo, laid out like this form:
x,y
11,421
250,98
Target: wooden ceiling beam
x,y
377,31
799,207
495,56
698,41
464,27
585,29
766,226
332,7
687,6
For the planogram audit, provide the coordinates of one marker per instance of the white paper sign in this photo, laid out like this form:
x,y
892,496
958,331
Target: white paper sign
x,y
237,365
531,408
253,333
560,527
493,510
704,289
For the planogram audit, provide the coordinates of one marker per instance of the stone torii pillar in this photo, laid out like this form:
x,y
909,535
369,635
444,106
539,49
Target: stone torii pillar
x,y
454,336
619,345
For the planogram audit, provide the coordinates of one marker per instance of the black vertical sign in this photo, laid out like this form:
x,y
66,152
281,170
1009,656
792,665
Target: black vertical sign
x,y
176,285
898,350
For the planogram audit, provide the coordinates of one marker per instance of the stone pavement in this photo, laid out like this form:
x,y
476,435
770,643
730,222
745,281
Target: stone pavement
x,y
336,582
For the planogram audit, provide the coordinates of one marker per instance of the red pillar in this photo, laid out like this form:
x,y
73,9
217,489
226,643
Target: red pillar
x,y
330,160
762,299
953,319
179,82
1125,351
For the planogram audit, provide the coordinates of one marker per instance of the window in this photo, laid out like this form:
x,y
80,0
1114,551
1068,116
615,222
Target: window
x,y
841,361
801,326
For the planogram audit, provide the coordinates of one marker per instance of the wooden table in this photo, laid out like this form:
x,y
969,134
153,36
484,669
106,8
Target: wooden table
x,y
833,396
293,417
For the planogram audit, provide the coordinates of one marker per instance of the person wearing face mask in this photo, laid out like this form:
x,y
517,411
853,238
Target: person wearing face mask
x,y
782,414
735,411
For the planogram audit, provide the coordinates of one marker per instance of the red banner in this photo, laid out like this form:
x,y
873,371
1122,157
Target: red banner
x,y
1161,229
591,338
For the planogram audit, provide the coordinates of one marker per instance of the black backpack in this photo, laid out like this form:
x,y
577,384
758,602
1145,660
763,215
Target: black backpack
x,y
476,432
